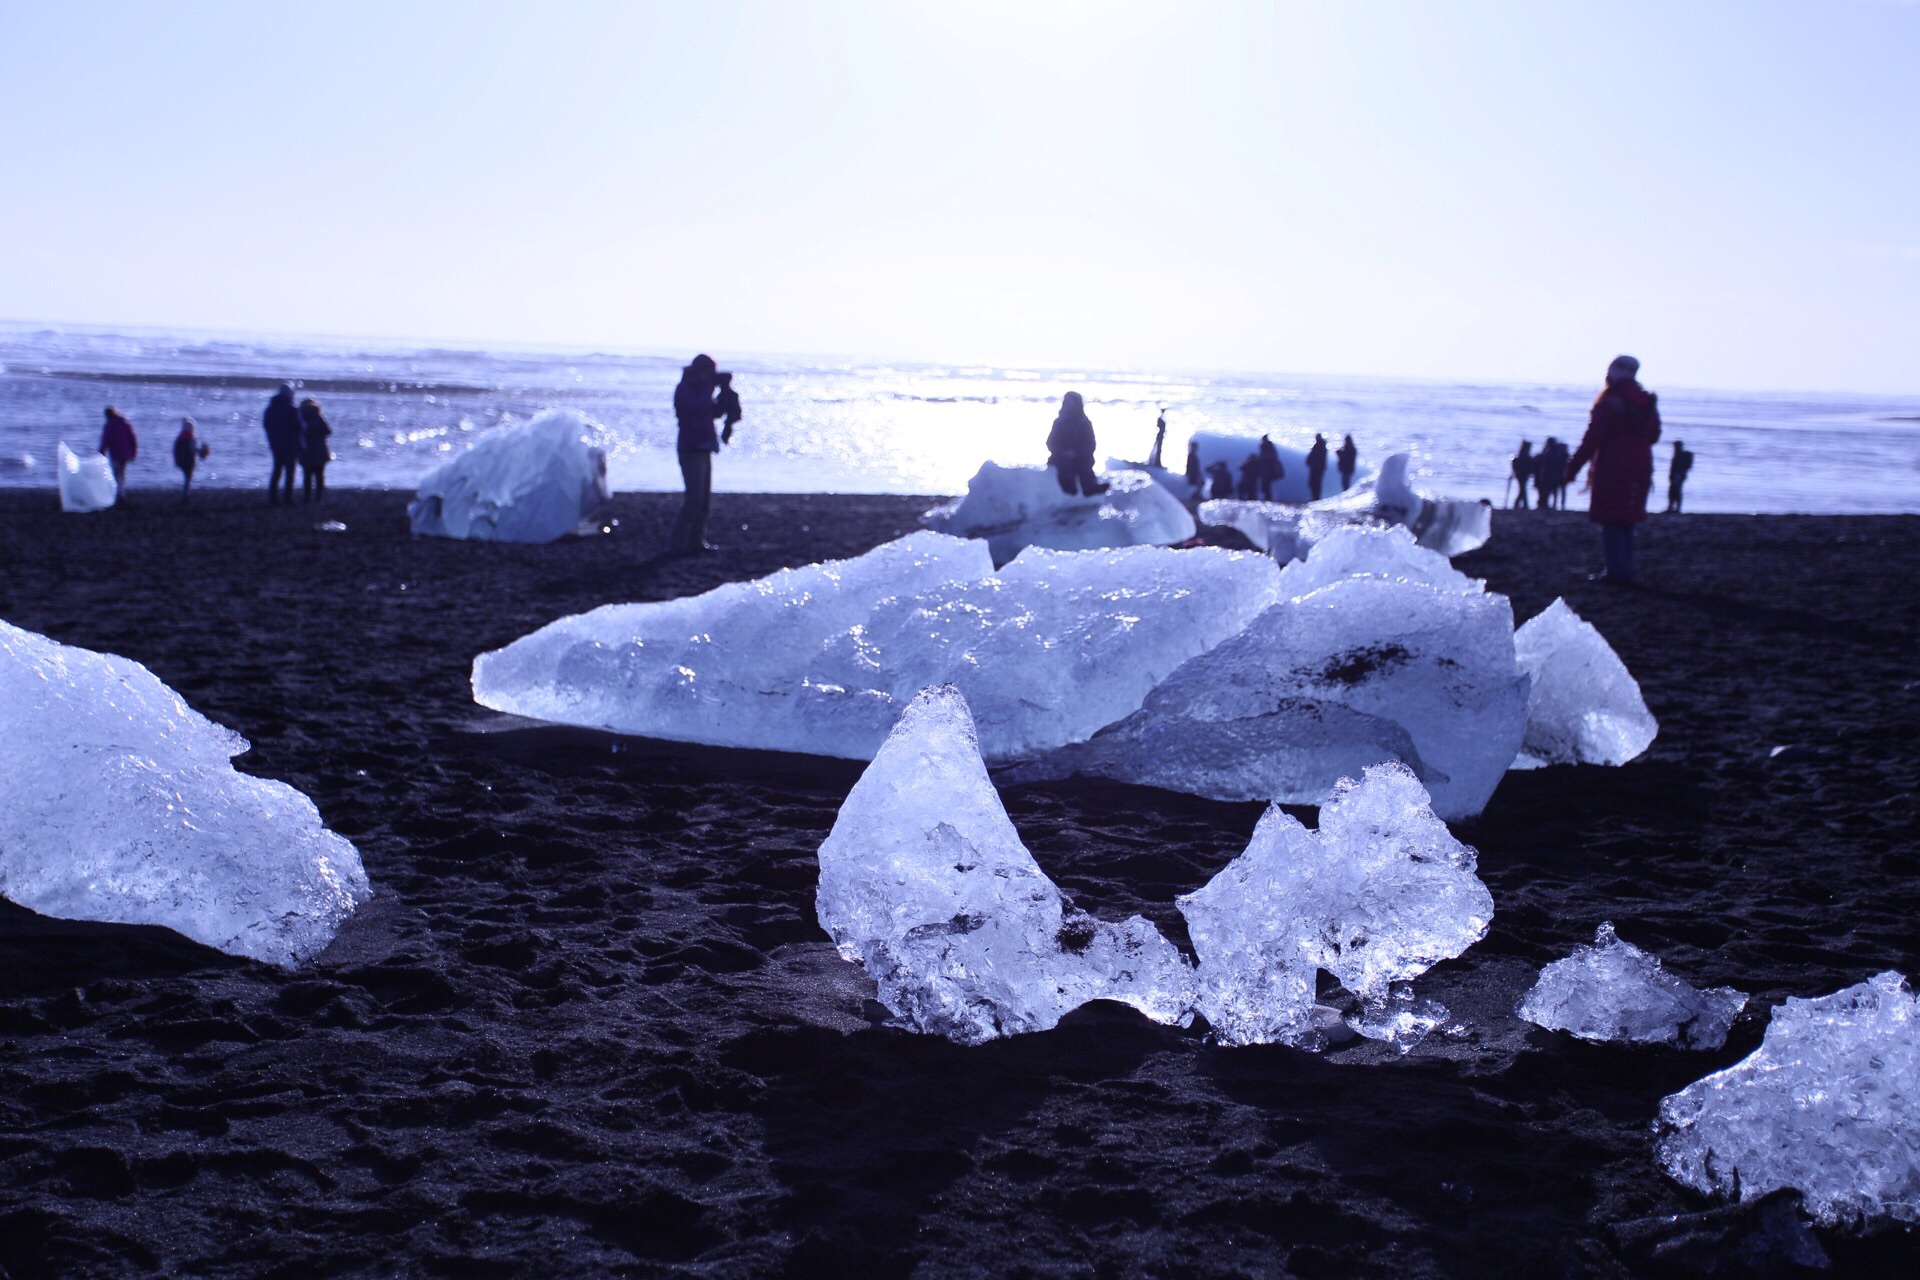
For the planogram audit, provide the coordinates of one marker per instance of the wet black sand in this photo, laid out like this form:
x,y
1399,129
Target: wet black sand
x,y
589,1026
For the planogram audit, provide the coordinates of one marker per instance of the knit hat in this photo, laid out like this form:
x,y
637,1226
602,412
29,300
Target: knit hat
x,y
1623,369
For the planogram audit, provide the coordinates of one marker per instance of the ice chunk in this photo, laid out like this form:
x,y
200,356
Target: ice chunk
x,y
1248,516
1613,990
529,482
117,803
1585,707
1381,551
1362,670
1829,1104
1016,507
86,481
1377,896
1233,449
924,881
1448,526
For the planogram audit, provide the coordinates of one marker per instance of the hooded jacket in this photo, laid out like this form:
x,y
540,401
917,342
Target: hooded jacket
x,y
282,424
1621,432
694,407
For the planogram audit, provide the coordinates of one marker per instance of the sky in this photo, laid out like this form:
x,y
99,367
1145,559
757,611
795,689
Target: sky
x,y
1730,191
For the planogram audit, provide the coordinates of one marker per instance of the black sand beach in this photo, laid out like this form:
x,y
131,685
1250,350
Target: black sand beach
x,y
589,1026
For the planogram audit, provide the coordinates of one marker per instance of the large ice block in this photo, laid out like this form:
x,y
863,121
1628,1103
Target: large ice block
x,y
1828,1104
1363,670
1378,551
529,482
1446,525
1585,706
1377,896
86,480
1613,990
1016,507
924,881
118,803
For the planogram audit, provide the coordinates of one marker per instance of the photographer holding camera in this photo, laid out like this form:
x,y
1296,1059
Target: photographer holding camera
x,y
704,394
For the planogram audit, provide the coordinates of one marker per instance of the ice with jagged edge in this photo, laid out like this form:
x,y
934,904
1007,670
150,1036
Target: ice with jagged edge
x,y
1828,1104
925,882
1585,706
823,659
1448,526
118,802
1377,896
1016,507
525,482
1369,667
85,481
1613,990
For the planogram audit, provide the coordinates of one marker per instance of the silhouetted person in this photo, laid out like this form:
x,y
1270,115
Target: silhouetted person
x,y
696,404
121,446
315,453
1159,439
282,424
1316,466
1194,475
1549,469
1250,478
1348,457
1222,477
1523,465
187,453
1070,447
728,402
1621,431
1677,475
1271,468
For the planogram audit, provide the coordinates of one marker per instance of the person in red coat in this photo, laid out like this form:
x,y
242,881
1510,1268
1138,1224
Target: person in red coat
x,y
1619,442
121,446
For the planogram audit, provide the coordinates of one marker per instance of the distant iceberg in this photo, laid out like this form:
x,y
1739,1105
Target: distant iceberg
x,y
1613,990
86,481
1017,507
118,803
530,482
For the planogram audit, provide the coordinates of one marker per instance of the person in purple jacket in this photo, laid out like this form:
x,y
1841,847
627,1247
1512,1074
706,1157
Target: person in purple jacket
x,y
121,446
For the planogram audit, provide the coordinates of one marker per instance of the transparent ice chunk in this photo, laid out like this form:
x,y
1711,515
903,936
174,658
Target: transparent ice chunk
x,y
526,482
85,480
1380,551
1017,507
1613,990
1585,706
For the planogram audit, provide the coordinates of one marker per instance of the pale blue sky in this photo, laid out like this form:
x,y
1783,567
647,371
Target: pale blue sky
x,y
1730,191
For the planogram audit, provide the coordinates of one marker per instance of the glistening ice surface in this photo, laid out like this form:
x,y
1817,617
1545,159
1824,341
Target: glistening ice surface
x,y
1585,706
1829,1104
117,803
924,881
1613,990
1377,896
1017,507
525,482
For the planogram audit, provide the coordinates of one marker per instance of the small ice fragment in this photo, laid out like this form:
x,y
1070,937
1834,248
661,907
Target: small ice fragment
x,y
1613,990
331,526
1585,706
924,881
1828,1104
1377,896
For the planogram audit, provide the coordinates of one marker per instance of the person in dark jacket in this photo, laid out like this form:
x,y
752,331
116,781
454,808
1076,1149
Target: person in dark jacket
x,y
1070,447
1316,466
187,453
1195,476
1222,477
1549,468
1348,457
282,424
1677,475
1621,431
696,404
314,452
1250,478
121,446
1159,439
1523,467
1271,468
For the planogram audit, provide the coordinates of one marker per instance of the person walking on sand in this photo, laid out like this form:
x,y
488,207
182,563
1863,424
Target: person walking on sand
x,y
1348,457
121,446
1271,468
1316,466
1159,438
1523,466
314,452
281,421
1621,431
187,453
696,404
1070,447
1677,475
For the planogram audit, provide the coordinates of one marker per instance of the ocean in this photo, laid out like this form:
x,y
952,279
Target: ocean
x,y
820,425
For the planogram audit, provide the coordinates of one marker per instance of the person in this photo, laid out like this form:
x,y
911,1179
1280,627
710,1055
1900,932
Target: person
x,y
1549,465
1523,465
281,421
728,403
1159,438
1316,466
1070,447
696,404
1222,477
1621,431
187,453
1250,478
1271,468
121,446
314,453
1677,475
1193,469
1348,457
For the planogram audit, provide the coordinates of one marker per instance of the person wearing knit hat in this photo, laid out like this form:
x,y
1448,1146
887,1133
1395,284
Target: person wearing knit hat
x,y
1621,431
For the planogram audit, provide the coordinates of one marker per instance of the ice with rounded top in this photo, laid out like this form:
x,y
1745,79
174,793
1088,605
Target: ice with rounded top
x,y
85,481
1613,990
1017,507
118,802
1377,896
1585,707
1828,1104
925,882
532,481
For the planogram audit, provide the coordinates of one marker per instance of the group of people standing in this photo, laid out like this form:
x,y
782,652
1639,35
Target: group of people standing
x,y
296,437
